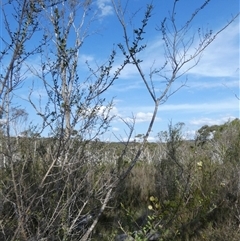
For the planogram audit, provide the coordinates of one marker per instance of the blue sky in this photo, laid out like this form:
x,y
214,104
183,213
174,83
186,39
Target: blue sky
x,y
208,97
209,94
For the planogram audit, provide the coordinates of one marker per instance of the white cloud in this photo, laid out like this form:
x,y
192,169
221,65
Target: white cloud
x,y
210,121
130,85
141,117
213,84
221,58
213,107
112,113
104,7
115,129
150,139
144,117
84,57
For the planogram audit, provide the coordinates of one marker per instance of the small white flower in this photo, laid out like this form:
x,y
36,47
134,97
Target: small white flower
x,y
152,199
150,207
222,184
200,164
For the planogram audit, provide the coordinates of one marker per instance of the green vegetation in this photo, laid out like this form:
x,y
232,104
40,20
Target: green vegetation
x,y
179,190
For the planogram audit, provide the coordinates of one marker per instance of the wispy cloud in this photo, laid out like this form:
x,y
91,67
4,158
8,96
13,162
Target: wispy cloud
x,y
214,84
122,114
225,105
105,7
221,58
144,117
202,107
210,121
84,57
127,86
114,129
141,117
150,139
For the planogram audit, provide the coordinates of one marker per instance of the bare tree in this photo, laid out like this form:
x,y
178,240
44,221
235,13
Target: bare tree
x,y
12,57
14,53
